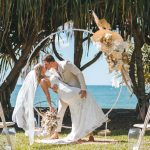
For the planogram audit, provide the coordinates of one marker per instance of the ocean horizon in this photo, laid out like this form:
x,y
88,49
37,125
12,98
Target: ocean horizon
x,y
105,96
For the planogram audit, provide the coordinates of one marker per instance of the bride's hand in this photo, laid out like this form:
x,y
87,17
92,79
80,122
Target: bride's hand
x,y
51,109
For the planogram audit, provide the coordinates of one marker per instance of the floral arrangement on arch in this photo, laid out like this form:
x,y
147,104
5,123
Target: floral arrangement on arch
x,y
115,49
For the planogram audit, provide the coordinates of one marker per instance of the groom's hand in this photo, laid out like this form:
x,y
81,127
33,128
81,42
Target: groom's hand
x,y
83,93
55,88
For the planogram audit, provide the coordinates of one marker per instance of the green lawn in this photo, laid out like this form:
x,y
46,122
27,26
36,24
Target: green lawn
x,y
119,135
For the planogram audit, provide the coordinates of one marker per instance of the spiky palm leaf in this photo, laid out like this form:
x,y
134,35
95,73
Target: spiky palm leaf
x,y
146,61
21,20
5,64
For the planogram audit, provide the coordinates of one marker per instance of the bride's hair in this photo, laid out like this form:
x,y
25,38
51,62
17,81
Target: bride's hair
x,y
38,71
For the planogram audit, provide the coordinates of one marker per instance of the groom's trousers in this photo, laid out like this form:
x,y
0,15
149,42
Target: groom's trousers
x,y
62,106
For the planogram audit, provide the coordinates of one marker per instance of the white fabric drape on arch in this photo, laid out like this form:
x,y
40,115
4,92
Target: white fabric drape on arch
x,y
23,113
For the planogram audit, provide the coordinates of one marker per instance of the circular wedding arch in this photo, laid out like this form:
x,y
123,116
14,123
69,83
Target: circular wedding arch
x,y
69,30
115,102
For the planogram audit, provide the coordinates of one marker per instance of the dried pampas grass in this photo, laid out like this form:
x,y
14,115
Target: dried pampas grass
x,y
49,121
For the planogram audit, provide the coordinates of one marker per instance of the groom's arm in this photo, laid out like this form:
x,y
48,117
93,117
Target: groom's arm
x,y
75,70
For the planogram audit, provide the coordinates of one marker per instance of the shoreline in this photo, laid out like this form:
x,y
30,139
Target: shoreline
x,y
119,119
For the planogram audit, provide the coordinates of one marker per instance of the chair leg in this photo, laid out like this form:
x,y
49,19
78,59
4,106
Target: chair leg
x,y
38,121
105,129
5,126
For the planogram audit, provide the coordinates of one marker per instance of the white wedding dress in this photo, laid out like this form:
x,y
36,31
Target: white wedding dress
x,y
86,115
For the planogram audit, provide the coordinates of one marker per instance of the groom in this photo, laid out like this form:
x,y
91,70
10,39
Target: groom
x,y
69,74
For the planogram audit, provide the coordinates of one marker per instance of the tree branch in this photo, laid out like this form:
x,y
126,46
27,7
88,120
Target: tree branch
x,y
55,51
132,72
38,49
148,96
147,39
10,52
91,61
86,38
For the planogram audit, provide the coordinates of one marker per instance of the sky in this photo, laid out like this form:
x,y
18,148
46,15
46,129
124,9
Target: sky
x,y
97,74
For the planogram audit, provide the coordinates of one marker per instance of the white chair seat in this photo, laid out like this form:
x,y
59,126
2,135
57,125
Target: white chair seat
x,y
7,124
142,126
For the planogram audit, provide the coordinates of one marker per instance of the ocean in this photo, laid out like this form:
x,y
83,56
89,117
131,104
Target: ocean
x,y
103,94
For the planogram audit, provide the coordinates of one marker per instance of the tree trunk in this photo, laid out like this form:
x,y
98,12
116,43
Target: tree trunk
x,y
137,75
9,83
141,109
78,49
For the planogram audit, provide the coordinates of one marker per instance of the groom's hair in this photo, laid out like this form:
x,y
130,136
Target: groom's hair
x,y
49,58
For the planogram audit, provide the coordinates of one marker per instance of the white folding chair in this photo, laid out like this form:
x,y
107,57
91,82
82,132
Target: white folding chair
x,y
144,127
4,125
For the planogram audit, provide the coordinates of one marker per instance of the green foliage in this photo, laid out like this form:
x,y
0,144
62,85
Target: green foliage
x,y
146,62
126,12
21,19
5,64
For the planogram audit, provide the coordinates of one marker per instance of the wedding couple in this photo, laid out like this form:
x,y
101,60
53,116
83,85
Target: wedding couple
x,y
68,82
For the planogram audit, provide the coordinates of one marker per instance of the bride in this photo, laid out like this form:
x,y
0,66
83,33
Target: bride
x,y
86,115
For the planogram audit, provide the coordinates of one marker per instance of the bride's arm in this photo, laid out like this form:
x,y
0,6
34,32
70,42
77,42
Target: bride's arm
x,y
45,84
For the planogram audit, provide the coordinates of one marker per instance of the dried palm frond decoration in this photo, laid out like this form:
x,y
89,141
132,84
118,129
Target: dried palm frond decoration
x,y
114,47
101,23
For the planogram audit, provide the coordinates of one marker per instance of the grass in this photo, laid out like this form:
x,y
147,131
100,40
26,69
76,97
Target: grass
x,y
119,135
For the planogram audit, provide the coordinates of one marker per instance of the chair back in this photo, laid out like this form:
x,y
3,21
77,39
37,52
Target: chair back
x,y
4,125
